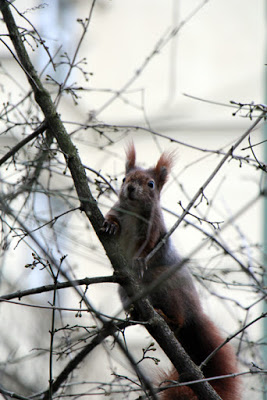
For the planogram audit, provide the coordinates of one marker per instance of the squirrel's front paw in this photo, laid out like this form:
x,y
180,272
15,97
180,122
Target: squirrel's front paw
x,y
110,227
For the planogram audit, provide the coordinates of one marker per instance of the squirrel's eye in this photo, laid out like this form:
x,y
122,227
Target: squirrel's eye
x,y
123,180
151,184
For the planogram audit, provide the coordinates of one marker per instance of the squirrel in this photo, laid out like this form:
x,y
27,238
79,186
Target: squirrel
x,y
137,221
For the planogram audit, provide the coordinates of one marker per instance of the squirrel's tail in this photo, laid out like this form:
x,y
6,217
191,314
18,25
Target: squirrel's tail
x,y
199,339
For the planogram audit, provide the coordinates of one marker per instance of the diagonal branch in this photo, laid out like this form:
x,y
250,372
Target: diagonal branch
x,y
106,331
205,184
22,143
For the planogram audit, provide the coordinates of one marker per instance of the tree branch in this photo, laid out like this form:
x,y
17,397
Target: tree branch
x,y
22,143
60,285
200,191
106,331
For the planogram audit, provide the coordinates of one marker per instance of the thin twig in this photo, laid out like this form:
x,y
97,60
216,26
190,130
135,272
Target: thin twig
x,y
204,186
12,395
164,136
23,142
85,27
60,285
229,338
159,46
107,330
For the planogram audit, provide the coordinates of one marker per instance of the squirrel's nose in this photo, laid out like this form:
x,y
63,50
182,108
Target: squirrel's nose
x,y
130,189
131,192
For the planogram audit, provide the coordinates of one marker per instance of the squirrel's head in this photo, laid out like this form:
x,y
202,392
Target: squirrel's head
x,y
143,186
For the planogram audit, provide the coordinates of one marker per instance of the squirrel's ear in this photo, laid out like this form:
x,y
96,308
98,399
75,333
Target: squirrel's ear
x,y
130,157
163,167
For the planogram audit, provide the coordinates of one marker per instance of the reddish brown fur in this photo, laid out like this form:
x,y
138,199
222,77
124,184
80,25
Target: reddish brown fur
x,y
131,156
199,347
138,222
166,160
163,168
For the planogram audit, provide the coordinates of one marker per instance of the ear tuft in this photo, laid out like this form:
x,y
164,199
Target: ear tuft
x,y
130,157
164,166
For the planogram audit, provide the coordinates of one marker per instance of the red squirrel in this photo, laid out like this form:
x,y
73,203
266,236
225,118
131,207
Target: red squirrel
x,y
137,220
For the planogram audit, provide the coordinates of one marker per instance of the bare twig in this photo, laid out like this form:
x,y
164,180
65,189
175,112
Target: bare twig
x,y
60,285
205,184
227,340
159,46
12,395
22,143
106,331
156,133
72,63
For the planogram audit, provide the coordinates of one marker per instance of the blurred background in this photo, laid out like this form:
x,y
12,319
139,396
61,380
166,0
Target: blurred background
x,y
164,74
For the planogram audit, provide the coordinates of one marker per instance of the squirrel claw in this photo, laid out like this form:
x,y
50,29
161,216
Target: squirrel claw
x,y
140,266
110,227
